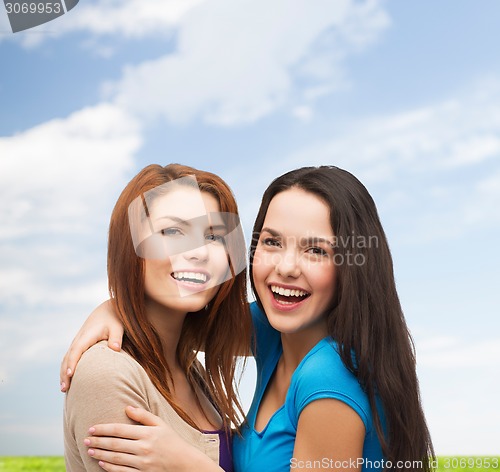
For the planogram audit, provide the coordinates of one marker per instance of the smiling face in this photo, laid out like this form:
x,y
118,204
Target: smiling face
x,y
293,265
187,259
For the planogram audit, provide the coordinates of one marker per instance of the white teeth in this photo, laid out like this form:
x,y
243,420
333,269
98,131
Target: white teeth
x,y
288,292
198,276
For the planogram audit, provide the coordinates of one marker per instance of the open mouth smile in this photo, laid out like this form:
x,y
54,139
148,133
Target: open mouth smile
x,y
288,296
197,278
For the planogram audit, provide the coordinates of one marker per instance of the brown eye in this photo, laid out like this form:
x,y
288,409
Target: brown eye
x,y
317,251
271,242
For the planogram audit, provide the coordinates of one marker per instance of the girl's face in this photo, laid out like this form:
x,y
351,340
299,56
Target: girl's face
x,y
190,258
293,267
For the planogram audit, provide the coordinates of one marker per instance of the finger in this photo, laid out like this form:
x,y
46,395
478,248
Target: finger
x,y
68,365
70,360
115,468
79,346
126,446
115,458
115,337
118,430
64,379
140,415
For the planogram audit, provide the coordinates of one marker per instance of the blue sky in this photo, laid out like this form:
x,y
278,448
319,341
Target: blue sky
x,y
405,95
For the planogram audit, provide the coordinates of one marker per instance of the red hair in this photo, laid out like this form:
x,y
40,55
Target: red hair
x,y
222,331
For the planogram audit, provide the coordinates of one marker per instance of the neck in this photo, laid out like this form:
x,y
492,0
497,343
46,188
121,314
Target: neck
x,y
168,324
297,345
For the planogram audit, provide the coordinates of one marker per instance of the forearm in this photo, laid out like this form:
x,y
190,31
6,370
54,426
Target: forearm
x,y
154,446
101,324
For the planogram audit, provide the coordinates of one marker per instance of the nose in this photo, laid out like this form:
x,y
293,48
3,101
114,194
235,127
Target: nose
x,y
196,249
288,265
199,253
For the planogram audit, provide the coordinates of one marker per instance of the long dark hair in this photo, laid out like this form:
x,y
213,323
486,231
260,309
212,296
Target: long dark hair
x,y
366,318
222,331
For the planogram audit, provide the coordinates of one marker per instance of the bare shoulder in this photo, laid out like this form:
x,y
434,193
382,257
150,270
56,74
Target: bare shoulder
x,y
329,429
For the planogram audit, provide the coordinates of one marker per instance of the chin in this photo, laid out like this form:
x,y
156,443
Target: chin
x,y
282,323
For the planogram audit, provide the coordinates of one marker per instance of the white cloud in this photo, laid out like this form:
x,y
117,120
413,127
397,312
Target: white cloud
x,y
45,434
454,353
4,24
450,367
58,183
40,335
459,424
485,201
303,113
445,136
236,62
129,18
63,168
444,157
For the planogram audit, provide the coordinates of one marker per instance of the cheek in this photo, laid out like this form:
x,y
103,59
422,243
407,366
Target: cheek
x,y
323,278
265,261
219,259
259,267
150,271
148,282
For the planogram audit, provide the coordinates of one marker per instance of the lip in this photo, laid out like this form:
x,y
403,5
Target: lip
x,y
288,307
192,286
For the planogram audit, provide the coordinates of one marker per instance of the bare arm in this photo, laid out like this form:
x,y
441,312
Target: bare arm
x,y
101,324
331,432
153,447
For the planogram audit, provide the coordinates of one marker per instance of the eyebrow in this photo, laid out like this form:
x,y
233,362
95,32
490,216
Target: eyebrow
x,y
216,227
222,226
174,218
270,231
217,222
304,241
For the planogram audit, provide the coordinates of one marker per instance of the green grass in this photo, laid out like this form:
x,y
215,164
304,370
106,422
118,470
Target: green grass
x,y
29,464
445,464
